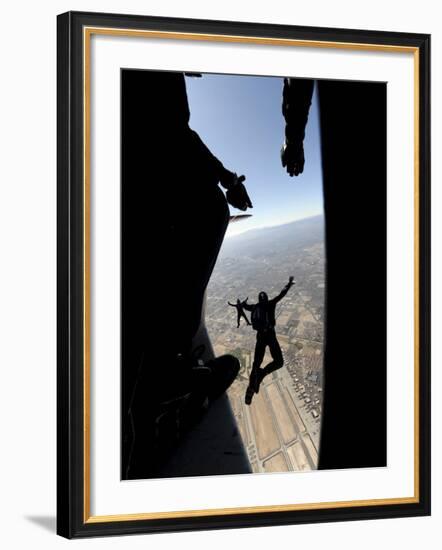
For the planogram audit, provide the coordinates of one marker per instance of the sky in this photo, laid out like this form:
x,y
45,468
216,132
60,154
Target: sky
x,y
240,120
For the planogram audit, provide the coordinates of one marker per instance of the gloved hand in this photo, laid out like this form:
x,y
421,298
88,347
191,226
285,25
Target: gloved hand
x,y
292,157
237,194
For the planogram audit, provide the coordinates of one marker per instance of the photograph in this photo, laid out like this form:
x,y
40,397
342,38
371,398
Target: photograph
x,y
243,274
221,247
253,241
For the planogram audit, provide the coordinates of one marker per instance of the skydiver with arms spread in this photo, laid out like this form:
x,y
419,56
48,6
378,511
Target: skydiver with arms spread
x,y
263,321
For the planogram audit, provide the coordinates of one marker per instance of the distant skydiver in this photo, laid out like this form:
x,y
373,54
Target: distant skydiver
x,y
240,311
263,321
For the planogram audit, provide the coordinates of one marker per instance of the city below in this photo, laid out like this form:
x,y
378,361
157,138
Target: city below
x,y
280,429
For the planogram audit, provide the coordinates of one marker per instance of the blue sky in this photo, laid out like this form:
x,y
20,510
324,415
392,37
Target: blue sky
x,y
240,120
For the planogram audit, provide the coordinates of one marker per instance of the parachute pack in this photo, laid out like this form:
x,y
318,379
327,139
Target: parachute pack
x,y
260,317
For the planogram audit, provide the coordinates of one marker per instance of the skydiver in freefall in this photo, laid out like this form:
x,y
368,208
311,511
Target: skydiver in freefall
x,y
263,321
240,311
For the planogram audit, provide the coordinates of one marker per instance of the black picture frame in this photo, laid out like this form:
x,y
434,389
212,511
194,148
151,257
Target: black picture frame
x,y
73,517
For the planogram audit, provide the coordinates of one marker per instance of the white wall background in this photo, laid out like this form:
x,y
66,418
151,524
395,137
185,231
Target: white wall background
x,y
28,269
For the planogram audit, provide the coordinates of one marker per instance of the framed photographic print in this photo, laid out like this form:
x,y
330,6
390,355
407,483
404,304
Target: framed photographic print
x,y
243,274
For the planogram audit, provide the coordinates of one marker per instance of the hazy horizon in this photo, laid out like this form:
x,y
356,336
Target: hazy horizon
x,y
237,234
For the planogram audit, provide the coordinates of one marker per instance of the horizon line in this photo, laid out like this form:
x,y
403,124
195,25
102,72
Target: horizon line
x,y
276,225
